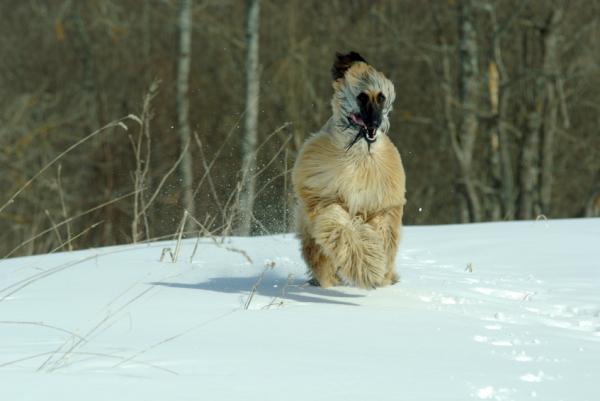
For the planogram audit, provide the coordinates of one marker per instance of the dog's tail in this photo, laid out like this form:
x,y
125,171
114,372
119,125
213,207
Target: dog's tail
x,y
355,247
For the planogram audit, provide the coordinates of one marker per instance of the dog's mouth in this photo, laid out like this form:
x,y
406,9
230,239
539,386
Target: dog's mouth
x,y
369,133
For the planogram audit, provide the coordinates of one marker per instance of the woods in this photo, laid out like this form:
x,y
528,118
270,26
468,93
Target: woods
x,y
497,112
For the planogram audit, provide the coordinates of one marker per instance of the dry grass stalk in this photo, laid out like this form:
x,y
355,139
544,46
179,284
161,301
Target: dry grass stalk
x,y
42,324
111,356
255,286
167,251
61,197
206,172
164,179
142,163
218,153
61,361
71,239
219,244
19,285
230,210
54,228
195,248
100,206
180,235
279,301
169,339
112,124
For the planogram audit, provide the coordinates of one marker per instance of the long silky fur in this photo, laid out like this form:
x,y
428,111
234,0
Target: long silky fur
x,y
351,193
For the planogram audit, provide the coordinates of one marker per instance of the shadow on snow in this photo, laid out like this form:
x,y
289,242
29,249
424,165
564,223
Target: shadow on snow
x,y
272,286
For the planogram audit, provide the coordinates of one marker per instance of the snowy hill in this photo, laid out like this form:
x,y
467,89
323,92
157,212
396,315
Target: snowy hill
x,y
502,311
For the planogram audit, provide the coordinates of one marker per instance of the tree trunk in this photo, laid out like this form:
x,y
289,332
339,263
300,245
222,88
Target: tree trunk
x,y
499,92
249,141
529,172
468,96
551,71
537,156
494,199
183,103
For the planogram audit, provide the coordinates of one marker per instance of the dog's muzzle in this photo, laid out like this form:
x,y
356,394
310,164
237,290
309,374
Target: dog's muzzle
x,y
367,131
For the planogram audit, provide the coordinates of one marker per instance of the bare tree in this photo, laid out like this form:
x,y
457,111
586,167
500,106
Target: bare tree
x,y
463,134
468,96
553,81
503,185
249,141
537,155
183,101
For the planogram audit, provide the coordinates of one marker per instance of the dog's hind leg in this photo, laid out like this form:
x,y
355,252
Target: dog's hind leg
x,y
355,247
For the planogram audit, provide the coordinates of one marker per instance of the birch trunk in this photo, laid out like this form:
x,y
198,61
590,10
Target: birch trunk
x,y
249,141
183,102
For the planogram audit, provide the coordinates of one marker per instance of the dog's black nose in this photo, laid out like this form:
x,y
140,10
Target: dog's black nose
x,y
370,111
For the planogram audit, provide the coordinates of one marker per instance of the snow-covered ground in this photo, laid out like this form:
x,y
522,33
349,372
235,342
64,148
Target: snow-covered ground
x,y
503,311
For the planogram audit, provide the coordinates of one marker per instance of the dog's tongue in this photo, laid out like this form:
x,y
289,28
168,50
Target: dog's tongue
x,y
357,120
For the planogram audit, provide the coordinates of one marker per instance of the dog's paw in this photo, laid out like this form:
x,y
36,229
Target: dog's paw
x,y
313,282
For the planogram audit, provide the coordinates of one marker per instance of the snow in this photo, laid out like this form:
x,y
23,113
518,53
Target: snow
x,y
498,311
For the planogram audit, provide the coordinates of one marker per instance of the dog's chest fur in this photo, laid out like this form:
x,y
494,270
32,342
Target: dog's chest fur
x,y
365,181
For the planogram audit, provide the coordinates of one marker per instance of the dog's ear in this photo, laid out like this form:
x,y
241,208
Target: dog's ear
x,y
343,62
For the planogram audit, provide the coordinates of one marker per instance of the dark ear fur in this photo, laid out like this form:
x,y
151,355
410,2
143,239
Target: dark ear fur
x,y
343,62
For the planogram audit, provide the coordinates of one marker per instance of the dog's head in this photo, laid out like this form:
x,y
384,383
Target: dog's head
x,y
362,97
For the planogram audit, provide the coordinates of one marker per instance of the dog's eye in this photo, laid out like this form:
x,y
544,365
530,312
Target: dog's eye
x,y
380,98
363,98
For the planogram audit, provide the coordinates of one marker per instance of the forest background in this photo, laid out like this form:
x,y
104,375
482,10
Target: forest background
x,y
125,121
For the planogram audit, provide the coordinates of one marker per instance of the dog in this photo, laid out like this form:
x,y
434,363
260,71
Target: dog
x,y
350,183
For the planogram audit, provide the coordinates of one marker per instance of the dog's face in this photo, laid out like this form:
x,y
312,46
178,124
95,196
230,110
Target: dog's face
x,y
362,98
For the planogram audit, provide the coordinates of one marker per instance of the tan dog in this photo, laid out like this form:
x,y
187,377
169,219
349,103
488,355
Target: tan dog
x,y
350,183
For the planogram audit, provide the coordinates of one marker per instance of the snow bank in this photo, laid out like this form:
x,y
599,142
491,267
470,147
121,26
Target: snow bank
x,y
502,311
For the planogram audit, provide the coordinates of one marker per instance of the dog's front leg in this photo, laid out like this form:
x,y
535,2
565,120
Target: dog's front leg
x,y
355,247
388,225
